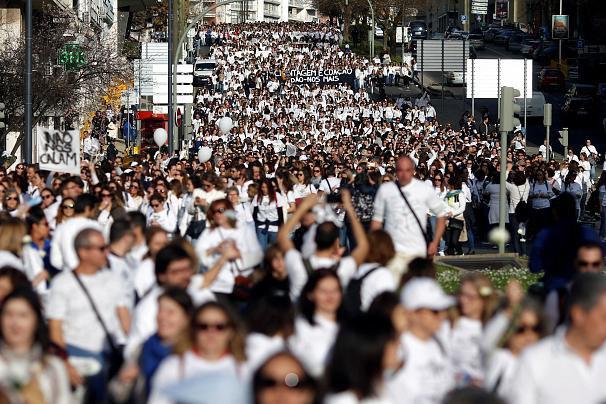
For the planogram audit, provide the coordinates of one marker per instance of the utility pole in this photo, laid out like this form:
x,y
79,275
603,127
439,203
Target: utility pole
x,y
547,123
508,121
171,118
560,42
27,140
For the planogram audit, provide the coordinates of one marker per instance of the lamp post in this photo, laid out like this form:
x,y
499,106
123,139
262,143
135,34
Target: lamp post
x,y
372,35
27,141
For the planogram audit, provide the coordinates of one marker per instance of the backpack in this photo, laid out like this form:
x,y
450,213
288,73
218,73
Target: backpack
x,y
352,298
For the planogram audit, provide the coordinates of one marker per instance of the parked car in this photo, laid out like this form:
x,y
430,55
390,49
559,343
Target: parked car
x,y
418,29
528,46
577,110
534,105
503,37
477,40
203,70
551,79
454,78
491,33
514,44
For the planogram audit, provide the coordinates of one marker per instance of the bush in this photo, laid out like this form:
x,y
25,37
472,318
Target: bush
x,y
450,277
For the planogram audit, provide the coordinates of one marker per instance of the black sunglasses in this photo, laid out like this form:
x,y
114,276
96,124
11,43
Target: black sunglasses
x,y
208,326
291,381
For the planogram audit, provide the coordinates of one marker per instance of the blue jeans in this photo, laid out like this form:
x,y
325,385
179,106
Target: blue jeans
x,y
96,385
433,221
266,237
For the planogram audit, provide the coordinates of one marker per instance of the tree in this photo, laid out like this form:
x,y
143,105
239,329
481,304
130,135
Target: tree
x,y
56,90
389,15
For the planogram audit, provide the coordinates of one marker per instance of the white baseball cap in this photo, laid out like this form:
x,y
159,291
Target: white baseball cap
x,y
425,293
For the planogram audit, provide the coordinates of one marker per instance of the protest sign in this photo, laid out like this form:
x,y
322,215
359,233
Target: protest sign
x,y
59,151
320,77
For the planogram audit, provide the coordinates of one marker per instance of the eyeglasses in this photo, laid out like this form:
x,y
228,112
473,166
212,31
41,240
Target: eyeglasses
x,y
219,210
522,328
589,264
291,381
208,326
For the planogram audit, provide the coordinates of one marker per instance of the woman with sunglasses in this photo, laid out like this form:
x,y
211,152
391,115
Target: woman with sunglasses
x,y
134,199
224,228
111,206
28,372
66,210
282,379
160,215
303,186
11,201
520,325
215,346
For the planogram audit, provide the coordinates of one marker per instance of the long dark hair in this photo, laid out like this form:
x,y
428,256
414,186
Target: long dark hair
x,y
307,307
41,336
357,357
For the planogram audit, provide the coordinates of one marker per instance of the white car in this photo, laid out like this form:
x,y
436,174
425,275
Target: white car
x,y
454,78
534,105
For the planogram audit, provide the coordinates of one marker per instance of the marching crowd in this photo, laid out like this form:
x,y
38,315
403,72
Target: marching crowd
x,y
292,262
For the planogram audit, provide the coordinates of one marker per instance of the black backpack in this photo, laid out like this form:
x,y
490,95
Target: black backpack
x,y
352,299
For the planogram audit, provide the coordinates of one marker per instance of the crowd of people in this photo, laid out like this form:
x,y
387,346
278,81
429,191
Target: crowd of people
x,y
294,265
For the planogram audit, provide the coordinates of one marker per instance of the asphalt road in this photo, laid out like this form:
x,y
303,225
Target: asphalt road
x,y
454,103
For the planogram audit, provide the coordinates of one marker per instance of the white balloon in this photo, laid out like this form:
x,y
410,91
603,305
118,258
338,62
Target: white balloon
x,y
225,124
160,136
204,154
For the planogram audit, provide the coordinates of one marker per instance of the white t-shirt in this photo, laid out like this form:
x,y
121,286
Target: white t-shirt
x,y
551,372
426,376
379,281
68,302
312,343
399,222
297,274
63,254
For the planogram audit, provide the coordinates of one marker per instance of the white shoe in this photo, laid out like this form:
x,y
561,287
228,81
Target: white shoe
x,y
441,253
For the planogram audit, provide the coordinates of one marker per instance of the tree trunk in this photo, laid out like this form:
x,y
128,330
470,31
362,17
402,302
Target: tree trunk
x,y
346,24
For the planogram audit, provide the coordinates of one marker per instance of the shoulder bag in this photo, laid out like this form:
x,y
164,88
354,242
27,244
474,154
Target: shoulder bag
x,y
425,234
116,358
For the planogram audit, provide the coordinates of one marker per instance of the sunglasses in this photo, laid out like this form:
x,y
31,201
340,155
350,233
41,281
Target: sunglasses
x,y
219,210
12,198
208,326
207,185
71,206
106,195
47,196
155,205
594,264
521,329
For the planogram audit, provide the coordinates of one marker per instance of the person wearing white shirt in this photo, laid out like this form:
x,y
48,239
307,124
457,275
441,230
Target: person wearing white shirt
x,y
160,215
568,367
78,298
63,254
174,267
592,155
427,374
393,213
327,247
268,213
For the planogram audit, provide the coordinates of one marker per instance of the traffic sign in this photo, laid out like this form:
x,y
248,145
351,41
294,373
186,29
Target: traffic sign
x,y
477,10
463,18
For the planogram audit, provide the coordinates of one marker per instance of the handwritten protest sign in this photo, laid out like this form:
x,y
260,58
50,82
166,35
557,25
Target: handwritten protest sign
x,y
320,77
59,151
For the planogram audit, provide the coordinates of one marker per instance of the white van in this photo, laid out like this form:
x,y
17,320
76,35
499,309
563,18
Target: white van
x,y
203,70
534,105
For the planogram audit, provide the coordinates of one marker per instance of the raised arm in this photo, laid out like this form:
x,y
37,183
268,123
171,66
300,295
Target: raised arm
x,y
284,241
361,250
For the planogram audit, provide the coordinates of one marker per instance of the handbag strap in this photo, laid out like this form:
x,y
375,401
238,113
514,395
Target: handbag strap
x,y
97,314
397,183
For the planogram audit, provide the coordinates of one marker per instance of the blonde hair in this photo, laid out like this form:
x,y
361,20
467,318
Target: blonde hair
x,y
12,231
486,291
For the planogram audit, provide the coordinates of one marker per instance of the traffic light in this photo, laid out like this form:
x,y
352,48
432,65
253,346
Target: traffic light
x,y
509,109
564,137
2,116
